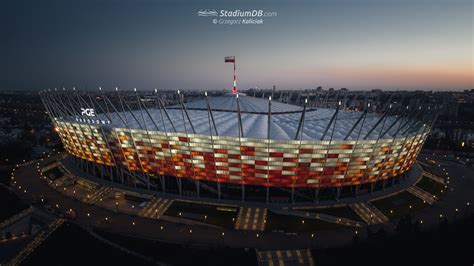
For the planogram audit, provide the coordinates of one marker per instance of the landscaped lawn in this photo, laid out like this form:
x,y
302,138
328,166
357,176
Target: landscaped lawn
x,y
435,170
431,186
72,245
222,216
179,254
341,212
54,173
290,223
10,204
399,205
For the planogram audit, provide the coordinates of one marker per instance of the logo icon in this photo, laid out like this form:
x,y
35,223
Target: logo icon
x,y
87,111
207,13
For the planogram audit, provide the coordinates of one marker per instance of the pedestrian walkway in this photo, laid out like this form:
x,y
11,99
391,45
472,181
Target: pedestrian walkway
x,y
369,213
421,194
36,242
251,218
155,208
285,257
98,195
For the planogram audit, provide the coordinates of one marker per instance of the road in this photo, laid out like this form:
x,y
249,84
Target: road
x,y
27,179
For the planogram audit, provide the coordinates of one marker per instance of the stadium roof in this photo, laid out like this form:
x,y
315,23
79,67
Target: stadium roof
x,y
254,113
247,104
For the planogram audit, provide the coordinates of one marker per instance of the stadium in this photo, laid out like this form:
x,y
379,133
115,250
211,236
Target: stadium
x,y
238,147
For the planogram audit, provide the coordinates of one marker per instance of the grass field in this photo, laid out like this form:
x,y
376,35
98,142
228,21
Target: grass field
x,y
179,254
81,249
54,173
10,204
289,223
431,186
216,215
340,212
399,205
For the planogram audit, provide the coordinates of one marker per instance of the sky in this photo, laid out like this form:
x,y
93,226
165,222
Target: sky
x,y
146,44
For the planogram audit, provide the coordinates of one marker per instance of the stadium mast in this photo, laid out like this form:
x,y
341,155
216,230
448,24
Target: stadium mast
x,y
231,59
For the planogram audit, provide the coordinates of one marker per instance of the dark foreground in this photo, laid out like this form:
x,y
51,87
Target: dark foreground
x,y
448,244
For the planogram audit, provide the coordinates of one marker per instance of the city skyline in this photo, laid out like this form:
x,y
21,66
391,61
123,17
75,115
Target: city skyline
x,y
166,45
223,132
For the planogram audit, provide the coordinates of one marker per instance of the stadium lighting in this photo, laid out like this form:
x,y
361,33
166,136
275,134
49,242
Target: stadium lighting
x,y
235,125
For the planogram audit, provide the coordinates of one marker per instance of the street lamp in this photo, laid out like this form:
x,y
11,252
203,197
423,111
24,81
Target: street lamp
x,y
311,240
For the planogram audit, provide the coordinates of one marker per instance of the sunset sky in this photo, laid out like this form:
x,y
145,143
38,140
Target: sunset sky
x,y
359,44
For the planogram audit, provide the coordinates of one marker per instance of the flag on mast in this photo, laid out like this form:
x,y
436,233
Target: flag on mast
x,y
231,59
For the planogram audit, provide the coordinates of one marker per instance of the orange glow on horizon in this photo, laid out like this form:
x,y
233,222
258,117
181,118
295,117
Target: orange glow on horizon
x,y
420,77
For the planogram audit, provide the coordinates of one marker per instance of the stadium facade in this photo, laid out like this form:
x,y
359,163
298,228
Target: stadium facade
x,y
236,146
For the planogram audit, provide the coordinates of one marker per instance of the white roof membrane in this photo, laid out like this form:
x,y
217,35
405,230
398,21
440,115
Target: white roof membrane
x,y
255,124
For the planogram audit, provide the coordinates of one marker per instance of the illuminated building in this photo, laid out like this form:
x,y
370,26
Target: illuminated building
x,y
236,142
